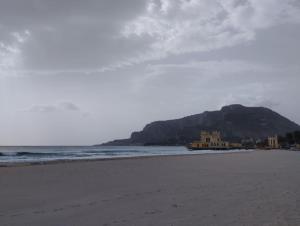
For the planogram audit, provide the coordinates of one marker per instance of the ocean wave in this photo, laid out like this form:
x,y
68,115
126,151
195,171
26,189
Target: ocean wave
x,y
25,153
35,154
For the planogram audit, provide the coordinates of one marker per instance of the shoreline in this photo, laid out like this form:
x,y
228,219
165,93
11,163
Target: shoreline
x,y
66,161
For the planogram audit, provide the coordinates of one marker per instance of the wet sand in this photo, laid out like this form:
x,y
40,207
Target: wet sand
x,y
254,188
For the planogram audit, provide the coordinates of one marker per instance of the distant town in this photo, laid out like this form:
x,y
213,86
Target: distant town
x,y
213,141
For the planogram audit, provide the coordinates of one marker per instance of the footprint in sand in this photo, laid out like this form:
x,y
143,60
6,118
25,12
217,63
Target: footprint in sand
x,y
16,215
39,212
92,203
152,212
175,205
58,209
75,205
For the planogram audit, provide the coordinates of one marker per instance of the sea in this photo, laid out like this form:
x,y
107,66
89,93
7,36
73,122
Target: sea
x,y
38,154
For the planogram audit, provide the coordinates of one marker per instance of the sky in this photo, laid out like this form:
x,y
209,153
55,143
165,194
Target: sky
x,y
78,72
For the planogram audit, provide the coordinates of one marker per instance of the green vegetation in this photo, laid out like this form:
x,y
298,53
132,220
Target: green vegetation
x,y
290,138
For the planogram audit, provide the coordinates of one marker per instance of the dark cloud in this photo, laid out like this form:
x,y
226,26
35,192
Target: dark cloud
x,y
69,34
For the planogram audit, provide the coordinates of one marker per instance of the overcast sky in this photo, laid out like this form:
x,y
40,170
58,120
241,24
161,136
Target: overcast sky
x,y
76,72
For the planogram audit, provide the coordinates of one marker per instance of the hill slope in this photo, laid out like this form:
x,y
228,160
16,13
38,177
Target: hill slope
x,y
234,121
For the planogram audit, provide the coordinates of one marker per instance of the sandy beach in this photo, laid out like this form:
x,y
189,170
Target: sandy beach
x,y
254,188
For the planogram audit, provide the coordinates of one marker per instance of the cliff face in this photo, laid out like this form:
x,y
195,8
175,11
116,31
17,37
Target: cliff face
x,y
234,122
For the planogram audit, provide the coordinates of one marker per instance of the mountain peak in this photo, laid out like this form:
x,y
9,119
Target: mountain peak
x,y
233,107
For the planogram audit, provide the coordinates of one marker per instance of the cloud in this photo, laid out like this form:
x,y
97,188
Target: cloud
x,y
209,68
249,100
198,71
268,103
69,106
101,36
185,26
65,36
42,109
205,85
59,107
11,51
139,32
245,94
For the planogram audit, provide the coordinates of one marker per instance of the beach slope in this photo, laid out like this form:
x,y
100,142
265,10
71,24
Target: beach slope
x,y
254,188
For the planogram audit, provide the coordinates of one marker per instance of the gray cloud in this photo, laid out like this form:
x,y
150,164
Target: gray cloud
x,y
42,109
123,64
69,106
50,108
67,34
177,26
105,35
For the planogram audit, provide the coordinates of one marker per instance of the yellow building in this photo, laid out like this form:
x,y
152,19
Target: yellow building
x,y
235,145
209,141
273,142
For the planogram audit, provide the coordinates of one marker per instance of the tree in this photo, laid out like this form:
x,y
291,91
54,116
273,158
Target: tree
x,y
297,137
290,138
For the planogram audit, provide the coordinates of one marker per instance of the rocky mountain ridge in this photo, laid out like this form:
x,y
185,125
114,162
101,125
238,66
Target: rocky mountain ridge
x,y
235,122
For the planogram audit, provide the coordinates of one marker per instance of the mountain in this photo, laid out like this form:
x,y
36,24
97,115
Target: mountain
x,y
235,122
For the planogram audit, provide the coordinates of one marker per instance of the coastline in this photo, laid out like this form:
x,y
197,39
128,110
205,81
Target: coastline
x,y
65,161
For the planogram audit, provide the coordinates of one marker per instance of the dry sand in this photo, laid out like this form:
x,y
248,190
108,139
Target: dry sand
x,y
257,188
